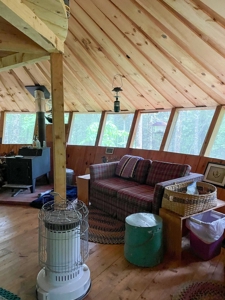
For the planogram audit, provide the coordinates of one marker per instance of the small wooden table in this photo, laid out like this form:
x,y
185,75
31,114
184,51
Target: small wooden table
x,y
83,183
173,228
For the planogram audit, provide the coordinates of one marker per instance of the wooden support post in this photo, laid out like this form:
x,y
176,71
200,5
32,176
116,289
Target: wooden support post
x,y
59,145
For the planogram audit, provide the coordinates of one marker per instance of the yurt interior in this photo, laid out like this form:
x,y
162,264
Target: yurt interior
x,y
91,86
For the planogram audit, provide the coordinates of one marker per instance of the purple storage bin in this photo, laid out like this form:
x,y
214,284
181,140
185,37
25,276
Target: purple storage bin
x,y
203,250
206,233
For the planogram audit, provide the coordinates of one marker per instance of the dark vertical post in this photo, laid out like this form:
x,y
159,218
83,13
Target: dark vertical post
x,y
41,126
40,114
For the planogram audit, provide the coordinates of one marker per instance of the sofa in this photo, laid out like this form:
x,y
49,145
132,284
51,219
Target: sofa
x,y
134,184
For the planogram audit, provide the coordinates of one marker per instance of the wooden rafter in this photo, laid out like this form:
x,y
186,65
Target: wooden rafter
x,y
24,19
20,60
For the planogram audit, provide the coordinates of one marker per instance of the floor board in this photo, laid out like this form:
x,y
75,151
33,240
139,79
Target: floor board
x,y
113,277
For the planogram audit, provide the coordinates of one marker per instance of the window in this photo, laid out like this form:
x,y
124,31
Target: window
x,y
150,130
116,130
66,118
84,129
190,130
18,128
218,148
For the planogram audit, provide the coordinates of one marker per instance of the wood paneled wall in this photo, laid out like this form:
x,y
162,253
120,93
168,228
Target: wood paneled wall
x,y
81,157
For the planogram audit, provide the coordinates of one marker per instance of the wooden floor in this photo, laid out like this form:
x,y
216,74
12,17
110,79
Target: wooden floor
x,y
113,277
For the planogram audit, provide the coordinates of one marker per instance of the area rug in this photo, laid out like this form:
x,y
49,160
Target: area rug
x,y
201,290
103,228
6,295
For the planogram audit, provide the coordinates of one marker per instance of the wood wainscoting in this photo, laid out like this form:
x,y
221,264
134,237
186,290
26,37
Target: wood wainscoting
x,y
79,158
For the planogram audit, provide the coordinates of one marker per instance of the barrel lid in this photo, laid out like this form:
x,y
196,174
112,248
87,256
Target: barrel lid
x,y
143,220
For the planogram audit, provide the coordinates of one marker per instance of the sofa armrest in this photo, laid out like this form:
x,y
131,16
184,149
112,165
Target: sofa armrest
x,y
159,189
102,171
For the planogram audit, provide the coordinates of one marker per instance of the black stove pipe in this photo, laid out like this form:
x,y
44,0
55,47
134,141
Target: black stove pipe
x,y
40,114
41,127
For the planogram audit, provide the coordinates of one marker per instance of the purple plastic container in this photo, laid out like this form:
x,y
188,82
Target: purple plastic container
x,y
203,250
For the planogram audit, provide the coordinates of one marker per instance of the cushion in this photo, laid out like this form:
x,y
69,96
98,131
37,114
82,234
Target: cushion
x,y
140,195
141,170
126,166
110,186
162,171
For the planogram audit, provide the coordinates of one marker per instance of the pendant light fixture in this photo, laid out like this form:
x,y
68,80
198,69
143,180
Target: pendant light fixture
x,y
117,87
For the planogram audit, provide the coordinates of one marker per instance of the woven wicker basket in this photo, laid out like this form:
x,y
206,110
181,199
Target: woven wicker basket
x,y
176,199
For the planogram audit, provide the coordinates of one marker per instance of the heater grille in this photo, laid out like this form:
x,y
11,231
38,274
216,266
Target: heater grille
x,y
63,239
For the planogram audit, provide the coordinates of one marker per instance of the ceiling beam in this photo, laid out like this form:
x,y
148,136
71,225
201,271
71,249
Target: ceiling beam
x,y
18,42
19,60
24,19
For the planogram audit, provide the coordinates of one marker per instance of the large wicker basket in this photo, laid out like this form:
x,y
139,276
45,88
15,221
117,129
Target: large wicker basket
x,y
177,200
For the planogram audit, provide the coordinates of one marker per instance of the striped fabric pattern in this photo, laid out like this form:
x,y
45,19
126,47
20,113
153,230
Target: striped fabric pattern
x,y
102,171
98,200
126,166
140,195
111,186
162,171
141,170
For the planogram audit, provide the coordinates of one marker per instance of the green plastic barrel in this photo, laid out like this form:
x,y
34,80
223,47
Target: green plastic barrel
x,y
143,239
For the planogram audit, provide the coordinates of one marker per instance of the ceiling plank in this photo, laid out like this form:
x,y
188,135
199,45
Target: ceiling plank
x,y
24,76
19,93
14,99
141,62
180,58
88,20
188,88
7,103
175,29
97,94
24,19
107,66
93,69
79,100
214,8
202,24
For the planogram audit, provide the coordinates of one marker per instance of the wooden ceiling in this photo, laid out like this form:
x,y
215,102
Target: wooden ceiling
x,y
170,53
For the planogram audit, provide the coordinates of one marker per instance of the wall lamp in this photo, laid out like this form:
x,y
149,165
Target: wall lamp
x,y
117,89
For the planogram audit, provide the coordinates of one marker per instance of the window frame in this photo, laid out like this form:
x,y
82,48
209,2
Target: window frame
x,y
4,127
72,122
173,122
101,135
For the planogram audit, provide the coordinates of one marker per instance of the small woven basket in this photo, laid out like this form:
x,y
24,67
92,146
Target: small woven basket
x,y
177,200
